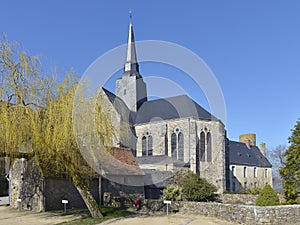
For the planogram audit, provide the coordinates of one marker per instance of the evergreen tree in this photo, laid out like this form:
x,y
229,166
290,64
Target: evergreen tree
x,y
291,166
197,189
267,197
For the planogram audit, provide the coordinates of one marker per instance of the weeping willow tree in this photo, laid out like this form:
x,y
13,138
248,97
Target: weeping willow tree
x,y
36,120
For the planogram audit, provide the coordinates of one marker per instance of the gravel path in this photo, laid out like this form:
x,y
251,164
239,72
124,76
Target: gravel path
x,y
175,219
13,216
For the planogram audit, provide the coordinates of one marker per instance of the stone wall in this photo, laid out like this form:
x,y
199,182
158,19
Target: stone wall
x,y
238,199
26,183
117,194
58,189
39,193
244,214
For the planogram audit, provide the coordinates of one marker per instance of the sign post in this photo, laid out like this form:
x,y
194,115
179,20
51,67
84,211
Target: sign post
x,y
65,202
19,203
167,203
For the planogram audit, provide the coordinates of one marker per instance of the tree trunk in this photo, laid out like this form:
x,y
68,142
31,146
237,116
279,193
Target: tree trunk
x,y
87,197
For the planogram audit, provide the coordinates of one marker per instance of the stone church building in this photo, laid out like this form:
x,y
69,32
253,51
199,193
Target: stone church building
x,y
176,132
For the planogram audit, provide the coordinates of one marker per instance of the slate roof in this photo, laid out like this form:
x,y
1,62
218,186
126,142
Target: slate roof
x,y
120,106
171,108
240,154
155,178
176,107
159,160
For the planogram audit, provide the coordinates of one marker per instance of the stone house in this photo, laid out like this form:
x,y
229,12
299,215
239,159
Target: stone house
x,y
248,165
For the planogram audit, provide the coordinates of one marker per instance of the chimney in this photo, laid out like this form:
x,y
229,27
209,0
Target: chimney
x,y
262,148
248,143
248,139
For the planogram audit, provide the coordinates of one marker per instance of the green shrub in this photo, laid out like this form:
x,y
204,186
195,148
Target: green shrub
x,y
267,197
173,193
292,201
195,188
228,192
243,191
255,191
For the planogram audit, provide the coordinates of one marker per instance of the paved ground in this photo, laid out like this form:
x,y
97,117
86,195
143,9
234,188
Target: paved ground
x,y
175,219
13,216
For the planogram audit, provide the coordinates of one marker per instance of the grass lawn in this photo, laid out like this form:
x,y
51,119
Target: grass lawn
x,y
108,213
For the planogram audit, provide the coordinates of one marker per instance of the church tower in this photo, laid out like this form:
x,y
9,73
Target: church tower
x,y
130,87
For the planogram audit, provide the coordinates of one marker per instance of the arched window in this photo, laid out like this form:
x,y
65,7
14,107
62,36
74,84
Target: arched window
x,y
198,157
150,144
166,144
174,145
202,146
144,146
180,147
208,139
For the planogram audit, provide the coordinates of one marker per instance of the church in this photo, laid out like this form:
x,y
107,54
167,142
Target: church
x,y
174,133
155,140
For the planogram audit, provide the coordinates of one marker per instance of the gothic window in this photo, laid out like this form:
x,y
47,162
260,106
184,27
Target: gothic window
x,y
180,147
166,144
147,145
197,158
202,146
255,172
208,139
174,145
144,146
150,144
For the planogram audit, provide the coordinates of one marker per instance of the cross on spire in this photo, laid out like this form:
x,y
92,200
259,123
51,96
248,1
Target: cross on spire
x,y
131,64
130,16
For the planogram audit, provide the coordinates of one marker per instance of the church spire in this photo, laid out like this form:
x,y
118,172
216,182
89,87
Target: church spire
x,y
130,87
131,66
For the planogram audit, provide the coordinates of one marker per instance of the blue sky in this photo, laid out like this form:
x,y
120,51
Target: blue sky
x,y
252,47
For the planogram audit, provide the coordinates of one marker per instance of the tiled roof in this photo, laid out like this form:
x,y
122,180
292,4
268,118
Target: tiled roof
x,y
124,156
122,162
240,154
